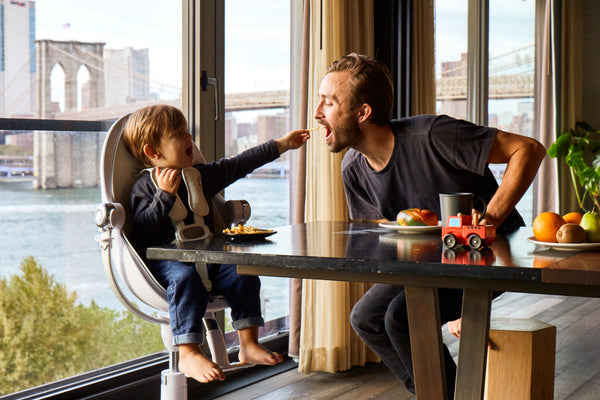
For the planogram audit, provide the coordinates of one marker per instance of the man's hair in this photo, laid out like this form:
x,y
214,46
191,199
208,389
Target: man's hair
x,y
371,83
148,125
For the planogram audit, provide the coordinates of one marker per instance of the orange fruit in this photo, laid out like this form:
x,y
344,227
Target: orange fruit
x,y
573,217
546,225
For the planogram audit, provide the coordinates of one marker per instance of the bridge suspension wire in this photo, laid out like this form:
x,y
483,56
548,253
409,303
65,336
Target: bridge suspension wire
x,y
504,67
104,61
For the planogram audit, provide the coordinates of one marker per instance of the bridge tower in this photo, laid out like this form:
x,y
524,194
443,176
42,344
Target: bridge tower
x,y
63,159
70,56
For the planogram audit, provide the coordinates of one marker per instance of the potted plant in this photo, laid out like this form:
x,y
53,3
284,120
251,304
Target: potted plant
x,y
579,148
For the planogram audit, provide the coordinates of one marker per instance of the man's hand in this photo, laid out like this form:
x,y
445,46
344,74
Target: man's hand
x,y
477,220
292,140
168,179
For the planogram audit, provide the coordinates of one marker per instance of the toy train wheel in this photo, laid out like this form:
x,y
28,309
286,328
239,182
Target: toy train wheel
x,y
450,240
475,242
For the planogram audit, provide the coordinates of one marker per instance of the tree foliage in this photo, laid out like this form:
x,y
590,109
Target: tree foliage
x,y
46,335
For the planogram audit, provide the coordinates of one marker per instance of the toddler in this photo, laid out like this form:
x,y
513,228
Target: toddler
x,y
157,136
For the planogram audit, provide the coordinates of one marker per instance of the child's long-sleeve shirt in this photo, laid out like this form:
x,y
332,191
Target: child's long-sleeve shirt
x,y
151,205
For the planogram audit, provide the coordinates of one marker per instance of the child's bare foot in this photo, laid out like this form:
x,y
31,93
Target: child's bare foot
x,y
195,364
254,353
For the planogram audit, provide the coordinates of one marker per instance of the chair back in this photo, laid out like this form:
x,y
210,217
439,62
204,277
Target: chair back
x,y
119,170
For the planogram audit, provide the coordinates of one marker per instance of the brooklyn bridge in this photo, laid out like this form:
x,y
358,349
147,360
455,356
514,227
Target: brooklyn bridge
x,y
447,88
52,167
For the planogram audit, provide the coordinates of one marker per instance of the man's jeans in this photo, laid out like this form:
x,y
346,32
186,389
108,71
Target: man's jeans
x,y
380,319
188,297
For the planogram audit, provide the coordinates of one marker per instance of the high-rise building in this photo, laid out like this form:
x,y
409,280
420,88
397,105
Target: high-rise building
x,y
127,75
17,58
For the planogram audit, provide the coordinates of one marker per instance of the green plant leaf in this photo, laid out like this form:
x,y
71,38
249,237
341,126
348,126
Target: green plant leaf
x,y
596,164
578,146
575,159
583,126
560,147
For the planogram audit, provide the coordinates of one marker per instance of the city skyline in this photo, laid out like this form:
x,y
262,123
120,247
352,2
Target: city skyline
x,y
249,46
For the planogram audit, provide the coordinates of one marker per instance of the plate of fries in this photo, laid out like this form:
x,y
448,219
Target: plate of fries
x,y
248,232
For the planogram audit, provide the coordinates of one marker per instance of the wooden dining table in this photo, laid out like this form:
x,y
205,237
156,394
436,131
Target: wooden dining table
x,y
418,260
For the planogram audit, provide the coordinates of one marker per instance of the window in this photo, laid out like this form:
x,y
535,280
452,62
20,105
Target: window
x,y
451,23
511,76
254,77
510,68
65,76
68,76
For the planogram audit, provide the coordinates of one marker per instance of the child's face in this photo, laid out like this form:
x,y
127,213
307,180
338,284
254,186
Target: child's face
x,y
175,150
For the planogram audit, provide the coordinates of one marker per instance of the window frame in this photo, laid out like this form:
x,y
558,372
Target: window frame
x,y
141,377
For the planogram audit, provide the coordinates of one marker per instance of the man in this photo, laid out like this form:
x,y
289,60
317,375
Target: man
x,y
395,165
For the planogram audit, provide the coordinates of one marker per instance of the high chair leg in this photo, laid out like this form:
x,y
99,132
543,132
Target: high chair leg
x,y
216,341
173,383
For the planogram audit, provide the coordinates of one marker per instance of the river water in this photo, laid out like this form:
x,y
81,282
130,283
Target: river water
x,y
57,228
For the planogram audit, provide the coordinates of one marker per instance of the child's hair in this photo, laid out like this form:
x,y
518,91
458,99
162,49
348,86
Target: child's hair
x,y
148,125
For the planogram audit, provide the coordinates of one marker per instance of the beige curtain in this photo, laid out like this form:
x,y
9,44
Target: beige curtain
x,y
571,99
298,183
423,63
327,341
544,186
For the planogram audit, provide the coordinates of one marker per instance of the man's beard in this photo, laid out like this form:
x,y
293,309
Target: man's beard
x,y
345,134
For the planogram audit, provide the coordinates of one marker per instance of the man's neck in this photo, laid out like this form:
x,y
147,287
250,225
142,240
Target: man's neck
x,y
377,145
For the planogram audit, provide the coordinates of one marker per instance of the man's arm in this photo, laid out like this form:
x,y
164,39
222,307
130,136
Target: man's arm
x,y
523,156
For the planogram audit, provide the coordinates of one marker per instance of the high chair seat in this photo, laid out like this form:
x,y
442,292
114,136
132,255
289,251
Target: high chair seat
x,y
127,274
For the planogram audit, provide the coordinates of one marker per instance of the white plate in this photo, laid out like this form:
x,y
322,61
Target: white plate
x,y
410,229
565,246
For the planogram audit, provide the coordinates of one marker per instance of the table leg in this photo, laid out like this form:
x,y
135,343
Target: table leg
x,y
472,350
426,342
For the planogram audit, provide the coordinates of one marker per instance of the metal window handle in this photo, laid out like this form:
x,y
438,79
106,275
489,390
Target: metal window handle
x,y
206,81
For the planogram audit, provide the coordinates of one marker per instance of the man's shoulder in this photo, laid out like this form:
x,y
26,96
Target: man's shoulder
x,y
351,158
416,124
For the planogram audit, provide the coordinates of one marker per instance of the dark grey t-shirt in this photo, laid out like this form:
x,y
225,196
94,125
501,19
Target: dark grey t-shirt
x,y
433,154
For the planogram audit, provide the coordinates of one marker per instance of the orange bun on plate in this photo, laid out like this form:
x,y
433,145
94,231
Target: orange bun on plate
x,y
417,217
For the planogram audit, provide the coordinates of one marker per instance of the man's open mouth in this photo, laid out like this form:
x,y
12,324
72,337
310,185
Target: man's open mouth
x,y
327,129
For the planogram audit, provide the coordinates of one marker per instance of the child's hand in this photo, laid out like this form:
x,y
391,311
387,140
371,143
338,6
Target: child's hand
x,y
292,140
168,179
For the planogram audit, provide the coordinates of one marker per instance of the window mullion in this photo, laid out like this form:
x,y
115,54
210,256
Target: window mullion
x,y
477,62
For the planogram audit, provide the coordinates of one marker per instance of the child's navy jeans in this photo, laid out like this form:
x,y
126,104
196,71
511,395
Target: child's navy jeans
x,y
188,297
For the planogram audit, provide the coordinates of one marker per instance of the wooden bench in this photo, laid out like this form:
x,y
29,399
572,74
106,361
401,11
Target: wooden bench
x,y
520,365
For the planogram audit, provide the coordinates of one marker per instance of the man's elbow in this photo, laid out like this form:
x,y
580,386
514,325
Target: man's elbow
x,y
536,151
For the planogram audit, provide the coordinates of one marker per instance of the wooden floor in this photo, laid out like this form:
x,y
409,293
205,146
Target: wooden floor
x,y
577,358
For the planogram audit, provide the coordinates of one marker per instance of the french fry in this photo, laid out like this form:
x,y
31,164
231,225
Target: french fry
x,y
313,129
246,230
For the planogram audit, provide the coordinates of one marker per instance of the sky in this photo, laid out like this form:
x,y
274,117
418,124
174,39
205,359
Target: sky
x,y
510,27
257,34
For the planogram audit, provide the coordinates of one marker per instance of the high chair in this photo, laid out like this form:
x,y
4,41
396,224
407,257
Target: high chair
x,y
133,281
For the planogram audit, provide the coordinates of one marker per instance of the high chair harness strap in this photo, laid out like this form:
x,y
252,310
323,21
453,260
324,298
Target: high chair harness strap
x,y
199,206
